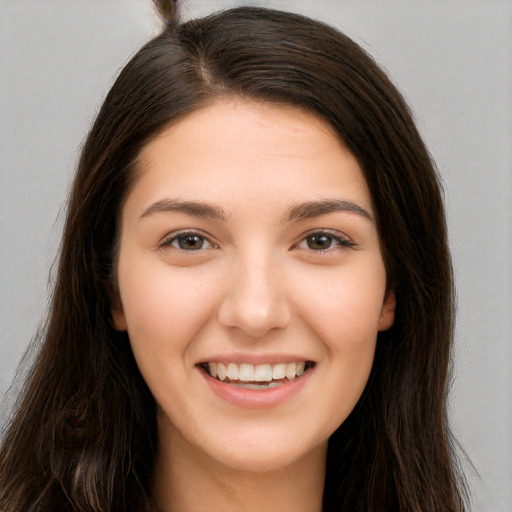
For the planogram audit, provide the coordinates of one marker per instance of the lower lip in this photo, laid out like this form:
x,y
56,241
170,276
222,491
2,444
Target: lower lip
x,y
256,398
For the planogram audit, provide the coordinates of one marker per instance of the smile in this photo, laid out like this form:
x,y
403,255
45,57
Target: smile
x,y
259,376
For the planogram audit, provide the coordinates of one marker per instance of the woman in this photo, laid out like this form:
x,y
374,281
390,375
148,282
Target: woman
x,y
253,308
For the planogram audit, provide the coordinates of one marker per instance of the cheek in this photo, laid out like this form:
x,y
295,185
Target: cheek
x,y
344,306
163,307
344,313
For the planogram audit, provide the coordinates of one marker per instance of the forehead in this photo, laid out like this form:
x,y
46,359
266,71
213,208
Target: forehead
x,y
238,150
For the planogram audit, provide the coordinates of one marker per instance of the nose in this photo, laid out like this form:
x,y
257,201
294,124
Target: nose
x,y
255,300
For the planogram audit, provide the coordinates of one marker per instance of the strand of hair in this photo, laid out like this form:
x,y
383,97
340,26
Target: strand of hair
x,y
167,10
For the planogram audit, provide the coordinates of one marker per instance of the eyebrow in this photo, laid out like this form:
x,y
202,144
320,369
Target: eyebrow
x,y
300,211
316,208
194,208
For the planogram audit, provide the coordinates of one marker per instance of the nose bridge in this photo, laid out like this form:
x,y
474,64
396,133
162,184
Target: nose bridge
x,y
256,299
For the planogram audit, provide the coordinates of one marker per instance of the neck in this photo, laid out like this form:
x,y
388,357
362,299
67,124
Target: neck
x,y
188,481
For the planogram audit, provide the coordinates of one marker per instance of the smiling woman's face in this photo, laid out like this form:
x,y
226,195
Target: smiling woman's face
x,y
252,283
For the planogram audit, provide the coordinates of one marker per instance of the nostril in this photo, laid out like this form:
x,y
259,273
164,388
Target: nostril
x,y
254,317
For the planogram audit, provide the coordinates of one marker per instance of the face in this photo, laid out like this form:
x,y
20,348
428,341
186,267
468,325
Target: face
x,y
252,284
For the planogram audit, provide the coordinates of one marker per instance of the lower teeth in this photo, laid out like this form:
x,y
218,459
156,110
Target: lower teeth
x,y
250,385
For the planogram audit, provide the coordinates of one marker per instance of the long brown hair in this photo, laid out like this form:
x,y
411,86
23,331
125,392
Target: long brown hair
x,y
84,434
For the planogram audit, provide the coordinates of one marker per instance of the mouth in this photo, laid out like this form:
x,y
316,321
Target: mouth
x,y
258,376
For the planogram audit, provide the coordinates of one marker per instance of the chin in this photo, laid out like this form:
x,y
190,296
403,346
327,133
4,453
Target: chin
x,y
256,453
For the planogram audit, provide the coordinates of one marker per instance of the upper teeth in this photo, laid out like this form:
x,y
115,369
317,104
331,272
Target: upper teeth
x,y
256,373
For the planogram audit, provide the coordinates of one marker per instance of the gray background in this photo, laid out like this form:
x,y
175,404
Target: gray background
x,y
451,59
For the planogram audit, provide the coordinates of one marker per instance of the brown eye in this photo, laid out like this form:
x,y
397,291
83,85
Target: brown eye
x,y
187,242
190,242
324,241
319,242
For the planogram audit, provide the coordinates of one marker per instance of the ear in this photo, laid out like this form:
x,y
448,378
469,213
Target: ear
x,y
118,316
387,314
119,319
116,307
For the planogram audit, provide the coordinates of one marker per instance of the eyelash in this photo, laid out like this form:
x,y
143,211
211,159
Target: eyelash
x,y
339,241
176,237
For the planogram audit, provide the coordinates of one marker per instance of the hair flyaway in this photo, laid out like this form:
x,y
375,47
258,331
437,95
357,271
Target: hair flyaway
x,y
268,108
168,10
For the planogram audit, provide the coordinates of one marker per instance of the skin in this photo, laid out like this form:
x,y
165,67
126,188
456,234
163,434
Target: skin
x,y
256,284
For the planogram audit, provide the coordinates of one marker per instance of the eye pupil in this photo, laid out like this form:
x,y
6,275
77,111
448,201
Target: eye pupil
x,y
190,242
319,242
